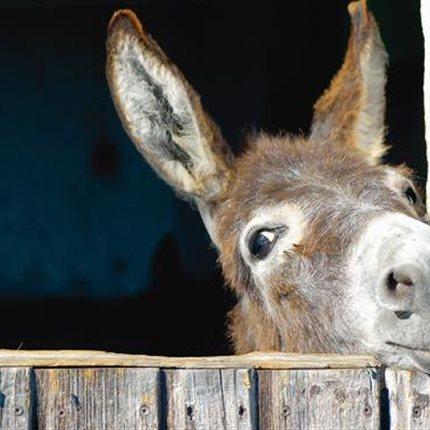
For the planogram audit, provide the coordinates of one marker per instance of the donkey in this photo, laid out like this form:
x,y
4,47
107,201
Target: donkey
x,y
326,248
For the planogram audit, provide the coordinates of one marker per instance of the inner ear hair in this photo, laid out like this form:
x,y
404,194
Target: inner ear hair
x,y
162,114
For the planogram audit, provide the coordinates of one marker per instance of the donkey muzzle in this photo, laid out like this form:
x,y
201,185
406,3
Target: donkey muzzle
x,y
395,263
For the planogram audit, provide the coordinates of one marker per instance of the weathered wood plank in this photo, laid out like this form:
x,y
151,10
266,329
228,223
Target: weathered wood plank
x,y
256,360
211,399
16,398
98,398
319,399
409,399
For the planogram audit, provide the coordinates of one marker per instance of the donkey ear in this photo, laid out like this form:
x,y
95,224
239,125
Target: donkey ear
x,y
162,114
351,112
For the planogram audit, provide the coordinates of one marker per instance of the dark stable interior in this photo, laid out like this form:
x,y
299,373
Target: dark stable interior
x,y
98,253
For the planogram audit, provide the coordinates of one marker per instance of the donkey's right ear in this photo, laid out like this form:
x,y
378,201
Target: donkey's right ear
x,y
162,114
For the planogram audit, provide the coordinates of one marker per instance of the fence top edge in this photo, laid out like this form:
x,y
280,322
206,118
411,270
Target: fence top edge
x,y
255,360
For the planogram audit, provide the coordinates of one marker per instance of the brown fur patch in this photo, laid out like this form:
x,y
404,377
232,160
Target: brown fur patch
x,y
251,329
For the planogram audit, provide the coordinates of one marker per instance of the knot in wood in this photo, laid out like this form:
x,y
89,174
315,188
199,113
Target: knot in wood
x,y
315,390
19,411
190,412
286,411
416,411
367,411
144,410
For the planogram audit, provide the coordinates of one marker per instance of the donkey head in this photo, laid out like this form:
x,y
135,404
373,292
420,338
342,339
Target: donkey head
x,y
326,248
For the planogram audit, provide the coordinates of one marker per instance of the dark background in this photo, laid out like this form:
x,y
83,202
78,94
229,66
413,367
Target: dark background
x,y
96,252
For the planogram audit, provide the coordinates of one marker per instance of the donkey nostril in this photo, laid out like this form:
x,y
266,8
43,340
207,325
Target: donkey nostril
x,y
391,282
397,290
398,282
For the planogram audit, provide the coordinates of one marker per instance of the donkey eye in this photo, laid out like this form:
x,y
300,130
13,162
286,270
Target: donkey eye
x,y
411,195
262,242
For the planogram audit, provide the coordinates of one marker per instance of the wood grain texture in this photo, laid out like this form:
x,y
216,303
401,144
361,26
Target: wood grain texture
x,y
16,398
256,360
211,399
319,399
97,398
409,399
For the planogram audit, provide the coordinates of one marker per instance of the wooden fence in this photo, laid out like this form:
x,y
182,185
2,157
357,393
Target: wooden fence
x,y
96,390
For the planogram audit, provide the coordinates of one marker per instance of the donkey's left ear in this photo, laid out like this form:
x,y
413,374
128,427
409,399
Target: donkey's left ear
x,y
351,111
162,114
